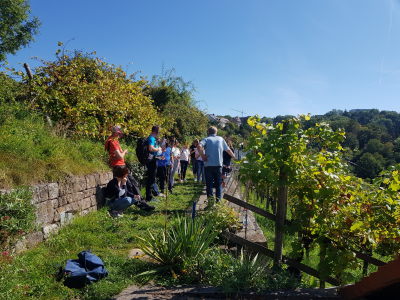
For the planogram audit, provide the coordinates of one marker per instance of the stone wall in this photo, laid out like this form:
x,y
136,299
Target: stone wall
x,y
58,202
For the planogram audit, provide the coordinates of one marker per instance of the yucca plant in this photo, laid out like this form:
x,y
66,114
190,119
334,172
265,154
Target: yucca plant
x,y
247,272
183,242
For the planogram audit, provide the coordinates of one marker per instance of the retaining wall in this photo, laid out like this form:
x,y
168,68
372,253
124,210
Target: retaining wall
x,y
58,202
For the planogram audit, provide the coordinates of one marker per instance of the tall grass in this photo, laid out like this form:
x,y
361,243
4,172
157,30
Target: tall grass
x,y
30,152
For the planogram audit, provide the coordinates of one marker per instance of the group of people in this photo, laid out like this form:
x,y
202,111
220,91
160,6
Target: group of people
x,y
210,159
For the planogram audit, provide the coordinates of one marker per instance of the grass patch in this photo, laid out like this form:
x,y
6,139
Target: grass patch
x,y
31,274
17,215
30,152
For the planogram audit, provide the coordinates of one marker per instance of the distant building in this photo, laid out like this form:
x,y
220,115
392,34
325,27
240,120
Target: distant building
x,y
219,120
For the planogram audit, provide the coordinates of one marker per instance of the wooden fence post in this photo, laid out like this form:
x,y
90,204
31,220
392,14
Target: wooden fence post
x,y
280,212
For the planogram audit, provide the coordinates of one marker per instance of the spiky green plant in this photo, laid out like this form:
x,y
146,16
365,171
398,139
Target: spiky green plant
x,y
183,242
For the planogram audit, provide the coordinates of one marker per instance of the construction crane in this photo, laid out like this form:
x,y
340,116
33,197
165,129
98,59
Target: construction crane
x,y
240,111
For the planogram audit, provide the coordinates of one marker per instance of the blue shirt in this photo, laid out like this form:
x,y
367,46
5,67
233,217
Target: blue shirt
x,y
167,158
214,147
151,141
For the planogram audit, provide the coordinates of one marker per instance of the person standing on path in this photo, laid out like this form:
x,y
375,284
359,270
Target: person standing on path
x,y
185,159
211,149
163,167
115,152
200,167
151,164
193,158
117,156
175,157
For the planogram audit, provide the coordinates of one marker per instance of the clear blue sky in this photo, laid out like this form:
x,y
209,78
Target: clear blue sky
x,y
262,56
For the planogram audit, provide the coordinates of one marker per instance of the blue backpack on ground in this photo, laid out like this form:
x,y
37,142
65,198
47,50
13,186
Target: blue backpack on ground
x,y
86,269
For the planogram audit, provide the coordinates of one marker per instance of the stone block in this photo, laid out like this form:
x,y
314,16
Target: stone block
x,y
76,206
40,193
64,200
90,181
53,190
86,203
66,217
104,178
79,183
28,241
49,229
34,238
65,187
84,212
44,212
93,201
97,178
89,192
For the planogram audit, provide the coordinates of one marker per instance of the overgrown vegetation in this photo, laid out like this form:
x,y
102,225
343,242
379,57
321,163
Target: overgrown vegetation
x,y
17,215
30,151
326,201
189,252
31,275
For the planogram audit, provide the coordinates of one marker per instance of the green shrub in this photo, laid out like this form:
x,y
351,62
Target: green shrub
x,y
243,273
17,215
181,244
223,216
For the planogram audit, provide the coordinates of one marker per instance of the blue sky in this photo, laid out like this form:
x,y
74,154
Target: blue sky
x,y
264,57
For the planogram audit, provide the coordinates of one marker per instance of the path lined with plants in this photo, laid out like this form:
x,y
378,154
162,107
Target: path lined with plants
x,y
31,275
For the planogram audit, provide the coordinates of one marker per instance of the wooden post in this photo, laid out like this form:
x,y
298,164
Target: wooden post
x,y
280,212
28,71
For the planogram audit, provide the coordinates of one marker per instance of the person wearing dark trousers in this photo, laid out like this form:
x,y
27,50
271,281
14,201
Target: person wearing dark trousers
x,y
185,158
151,164
211,150
192,149
163,167
121,193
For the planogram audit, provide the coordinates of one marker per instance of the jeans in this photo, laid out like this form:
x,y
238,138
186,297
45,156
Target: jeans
x,y
200,171
194,166
184,165
151,178
214,179
174,168
122,203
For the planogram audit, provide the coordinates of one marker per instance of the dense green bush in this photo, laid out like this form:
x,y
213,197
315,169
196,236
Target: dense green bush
x,y
86,96
17,215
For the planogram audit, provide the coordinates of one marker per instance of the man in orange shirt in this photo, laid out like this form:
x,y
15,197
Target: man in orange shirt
x,y
114,148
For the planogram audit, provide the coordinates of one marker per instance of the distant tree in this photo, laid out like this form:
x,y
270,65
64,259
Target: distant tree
x,y
369,165
173,97
374,146
16,27
351,141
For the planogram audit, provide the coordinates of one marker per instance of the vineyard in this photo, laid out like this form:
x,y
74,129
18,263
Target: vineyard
x,y
321,209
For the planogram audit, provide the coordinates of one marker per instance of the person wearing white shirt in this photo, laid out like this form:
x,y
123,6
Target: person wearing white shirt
x,y
175,158
184,161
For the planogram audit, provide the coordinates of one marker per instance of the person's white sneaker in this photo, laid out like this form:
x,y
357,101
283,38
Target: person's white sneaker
x,y
161,195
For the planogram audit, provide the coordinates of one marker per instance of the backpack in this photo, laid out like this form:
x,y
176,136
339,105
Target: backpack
x,y
142,151
86,269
